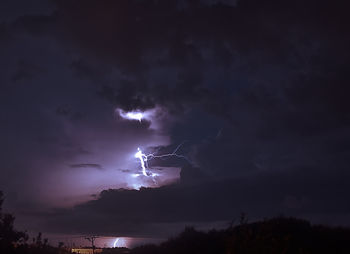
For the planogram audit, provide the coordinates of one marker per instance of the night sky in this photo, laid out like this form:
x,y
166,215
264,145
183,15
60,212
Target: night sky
x,y
255,92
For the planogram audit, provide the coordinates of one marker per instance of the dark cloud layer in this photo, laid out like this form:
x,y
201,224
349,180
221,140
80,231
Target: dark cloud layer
x,y
87,165
306,193
257,88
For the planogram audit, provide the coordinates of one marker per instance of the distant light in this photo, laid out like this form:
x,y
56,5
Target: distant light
x,y
120,242
115,243
136,186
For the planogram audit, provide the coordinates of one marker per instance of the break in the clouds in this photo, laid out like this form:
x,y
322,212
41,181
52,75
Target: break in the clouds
x,y
256,89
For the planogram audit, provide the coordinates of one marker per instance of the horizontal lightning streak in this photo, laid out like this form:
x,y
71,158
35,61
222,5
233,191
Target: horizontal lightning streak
x,y
152,156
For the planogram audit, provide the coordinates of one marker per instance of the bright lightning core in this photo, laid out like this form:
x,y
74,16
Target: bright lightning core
x,y
152,116
120,242
115,243
144,159
132,115
135,115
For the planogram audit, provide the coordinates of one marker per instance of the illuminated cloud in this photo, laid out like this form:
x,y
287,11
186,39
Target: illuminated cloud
x,y
133,115
275,87
155,116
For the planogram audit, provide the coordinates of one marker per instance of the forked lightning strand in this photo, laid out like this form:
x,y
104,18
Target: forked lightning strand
x,y
145,158
151,155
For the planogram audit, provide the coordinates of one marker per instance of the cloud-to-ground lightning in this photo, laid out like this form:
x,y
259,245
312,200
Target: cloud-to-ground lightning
x,y
120,242
115,243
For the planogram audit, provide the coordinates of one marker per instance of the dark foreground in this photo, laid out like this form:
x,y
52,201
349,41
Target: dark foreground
x,y
276,235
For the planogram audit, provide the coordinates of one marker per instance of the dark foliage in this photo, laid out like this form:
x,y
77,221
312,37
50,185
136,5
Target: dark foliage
x,y
277,235
16,242
9,237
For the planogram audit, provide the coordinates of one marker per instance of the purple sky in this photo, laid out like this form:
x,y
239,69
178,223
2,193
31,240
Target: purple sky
x,y
256,89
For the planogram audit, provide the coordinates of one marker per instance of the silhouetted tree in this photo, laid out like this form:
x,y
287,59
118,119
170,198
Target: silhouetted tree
x,y
15,242
9,237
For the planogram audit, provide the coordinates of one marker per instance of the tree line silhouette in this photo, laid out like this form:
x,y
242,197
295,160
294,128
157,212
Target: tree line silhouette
x,y
278,235
271,236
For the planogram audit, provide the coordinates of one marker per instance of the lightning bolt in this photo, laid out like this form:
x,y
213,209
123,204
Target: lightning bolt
x,y
152,156
144,158
115,243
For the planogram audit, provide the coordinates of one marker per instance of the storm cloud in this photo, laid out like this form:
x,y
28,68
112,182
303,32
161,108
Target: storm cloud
x,y
257,89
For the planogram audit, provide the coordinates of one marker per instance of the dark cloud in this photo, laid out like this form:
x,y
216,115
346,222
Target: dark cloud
x,y
134,212
250,45
26,70
87,165
259,89
239,47
67,111
10,10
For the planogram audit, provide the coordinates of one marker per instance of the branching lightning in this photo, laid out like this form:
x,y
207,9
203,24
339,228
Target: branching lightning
x,y
144,158
174,153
